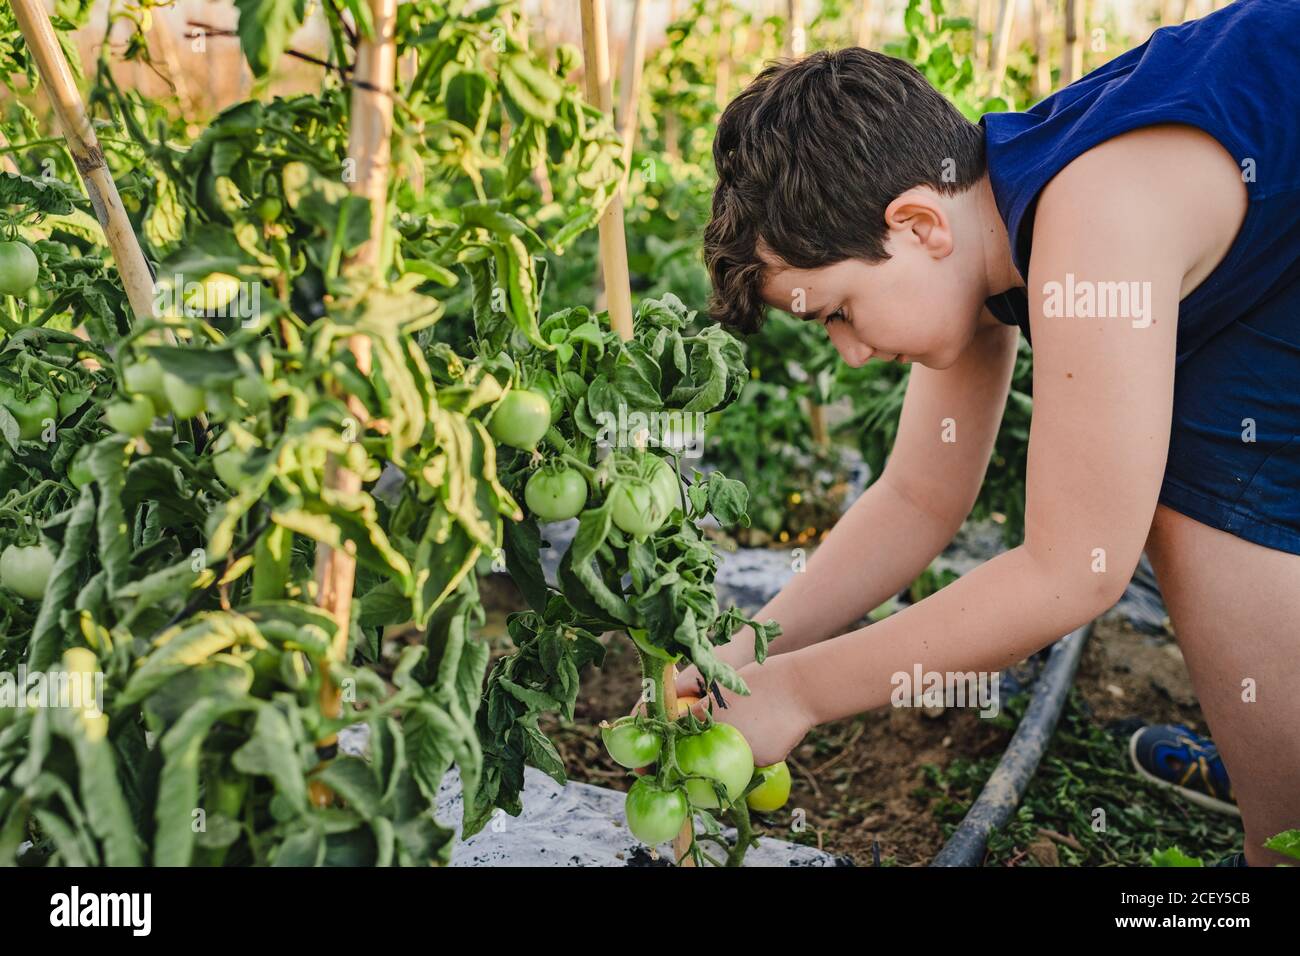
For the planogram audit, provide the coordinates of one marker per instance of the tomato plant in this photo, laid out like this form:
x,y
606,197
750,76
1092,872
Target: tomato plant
x,y
189,482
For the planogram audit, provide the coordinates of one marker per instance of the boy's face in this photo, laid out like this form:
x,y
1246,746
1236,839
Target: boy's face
x,y
919,305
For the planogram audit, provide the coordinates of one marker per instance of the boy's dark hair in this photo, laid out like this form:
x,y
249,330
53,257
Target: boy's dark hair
x,y
808,157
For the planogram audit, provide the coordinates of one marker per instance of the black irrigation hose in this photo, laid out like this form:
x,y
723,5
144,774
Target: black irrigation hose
x,y
1002,793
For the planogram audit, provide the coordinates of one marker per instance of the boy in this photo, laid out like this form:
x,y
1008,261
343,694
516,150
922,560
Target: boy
x,y
1142,228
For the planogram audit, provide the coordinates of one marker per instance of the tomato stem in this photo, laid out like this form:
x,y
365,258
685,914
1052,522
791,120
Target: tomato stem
x,y
739,815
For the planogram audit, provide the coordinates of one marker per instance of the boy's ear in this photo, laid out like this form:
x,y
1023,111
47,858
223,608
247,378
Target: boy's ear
x,y
918,217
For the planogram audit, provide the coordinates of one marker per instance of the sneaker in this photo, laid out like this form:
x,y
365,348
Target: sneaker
x,y
1174,756
1237,859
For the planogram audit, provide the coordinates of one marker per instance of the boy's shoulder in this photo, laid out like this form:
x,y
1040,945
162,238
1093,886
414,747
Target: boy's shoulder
x,y
1174,181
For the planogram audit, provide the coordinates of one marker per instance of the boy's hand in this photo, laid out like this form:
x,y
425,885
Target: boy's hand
x,y
773,718
738,652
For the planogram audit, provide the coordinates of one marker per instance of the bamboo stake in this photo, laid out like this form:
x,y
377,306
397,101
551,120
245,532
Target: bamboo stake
x,y
618,289
796,38
6,158
1173,12
722,82
1042,47
865,25
613,242
671,126
369,146
1001,43
161,32
70,111
550,28
1072,62
630,87
980,39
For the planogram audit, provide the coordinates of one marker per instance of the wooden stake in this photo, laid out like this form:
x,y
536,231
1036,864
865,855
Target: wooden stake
x,y
796,38
161,33
618,289
1072,62
613,242
865,25
70,111
1043,18
722,82
7,162
1001,43
630,88
369,148
980,39
672,131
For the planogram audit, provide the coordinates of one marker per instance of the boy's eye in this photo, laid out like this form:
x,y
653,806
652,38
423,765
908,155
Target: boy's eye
x,y
836,316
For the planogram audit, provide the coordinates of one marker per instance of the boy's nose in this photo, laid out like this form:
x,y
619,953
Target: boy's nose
x,y
854,352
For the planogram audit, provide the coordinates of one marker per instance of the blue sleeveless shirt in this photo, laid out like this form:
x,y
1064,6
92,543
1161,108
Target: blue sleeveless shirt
x,y
1235,74
1234,444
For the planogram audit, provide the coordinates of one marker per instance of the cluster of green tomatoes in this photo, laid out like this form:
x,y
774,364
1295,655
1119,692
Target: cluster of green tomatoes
x,y
640,500
710,770
25,568
151,392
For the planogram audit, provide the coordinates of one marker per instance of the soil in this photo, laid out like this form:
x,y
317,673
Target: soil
x,y
860,782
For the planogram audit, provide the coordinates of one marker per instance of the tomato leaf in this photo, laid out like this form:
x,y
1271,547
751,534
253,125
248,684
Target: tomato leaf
x,y
265,27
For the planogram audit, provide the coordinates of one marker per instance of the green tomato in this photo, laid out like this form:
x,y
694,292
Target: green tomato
x,y
213,294
720,753
637,510
31,414
268,209
547,384
631,746
146,378
26,571
80,660
774,790
521,419
132,417
19,268
665,484
654,815
185,399
556,495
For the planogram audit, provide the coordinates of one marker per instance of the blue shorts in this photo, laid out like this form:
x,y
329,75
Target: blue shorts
x,y
1247,373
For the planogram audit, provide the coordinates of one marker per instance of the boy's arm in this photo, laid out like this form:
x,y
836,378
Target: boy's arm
x,y
897,526
1103,393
